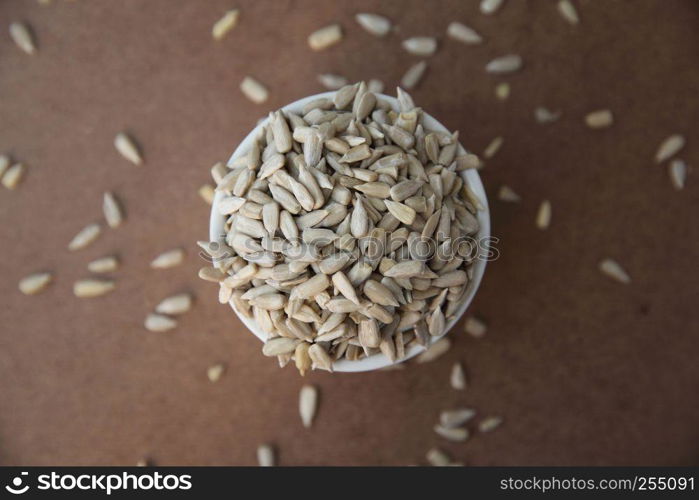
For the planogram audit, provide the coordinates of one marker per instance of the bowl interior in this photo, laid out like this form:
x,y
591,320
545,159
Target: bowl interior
x,y
375,362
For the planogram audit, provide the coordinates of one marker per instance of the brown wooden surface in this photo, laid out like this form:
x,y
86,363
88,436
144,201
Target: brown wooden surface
x,y
584,370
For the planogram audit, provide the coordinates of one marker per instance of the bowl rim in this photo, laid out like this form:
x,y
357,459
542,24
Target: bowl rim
x,y
376,361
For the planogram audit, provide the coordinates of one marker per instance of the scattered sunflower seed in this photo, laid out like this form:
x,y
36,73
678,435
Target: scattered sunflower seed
x,y
265,456
504,64
568,11
544,115
308,404
170,258
177,304
489,7
254,90
127,148
159,323
457,378
437,458
87,235
543,216
325,37
669,148
207,193
412,77
22,37
332,82
601,118
462,33
493,147
111,210
13,176
34,283
456,418
456,434
475,327
92,287
4,164
103,265
507,194
374,24
214,372
375,86
678,173
423,46
221,27
489,424
436,350
613,269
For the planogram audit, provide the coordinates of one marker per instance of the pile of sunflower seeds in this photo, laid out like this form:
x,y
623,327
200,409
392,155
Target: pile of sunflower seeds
x,y
342,230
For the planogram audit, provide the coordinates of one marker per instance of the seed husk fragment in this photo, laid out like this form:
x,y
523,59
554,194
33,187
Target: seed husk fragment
x,y
325,37
127,148
22,37
92,287
224,25
373,23
35,283
159,323
112,210
613,269
170,258
254,90
86,236
308,404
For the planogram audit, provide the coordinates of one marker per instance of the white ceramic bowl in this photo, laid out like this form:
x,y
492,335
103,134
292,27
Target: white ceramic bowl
x,y
377,361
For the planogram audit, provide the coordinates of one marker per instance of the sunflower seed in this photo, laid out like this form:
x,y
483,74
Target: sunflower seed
x,y
265,456
462,33
321,359
279,345
437,458
34,283
225,24
211,274
457,378
567,10
375,86
412,77
613,269
489,7
402,212
544,115
86,236
502,91
504,64
344,286
489,424
92,287
170,258
103,265
678,173
214,372
177,304
420,46
308,404
13,176
455,434
475,327
22,37
601,118
112,211
332,82
127,148
207,193
543,216
669,148
325,37
373,23
254,90
379,293
507,194
159,323
434,351
437,323
455,418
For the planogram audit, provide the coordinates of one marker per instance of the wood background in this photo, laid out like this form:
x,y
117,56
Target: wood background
x,y
583,369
